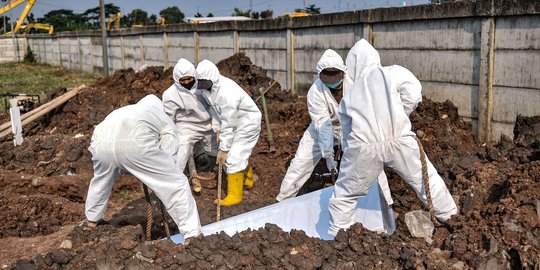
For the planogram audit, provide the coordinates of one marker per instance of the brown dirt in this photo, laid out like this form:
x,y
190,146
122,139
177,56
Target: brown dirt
x,y
43,185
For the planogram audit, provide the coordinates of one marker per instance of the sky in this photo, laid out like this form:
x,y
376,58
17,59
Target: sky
x,y
216,7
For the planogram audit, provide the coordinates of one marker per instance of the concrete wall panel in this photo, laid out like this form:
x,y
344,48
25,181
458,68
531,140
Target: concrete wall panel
x,y
264,40
216,46
454,34
517,68
518,32
154,49
439,66
267,49
181,45
87,52
509,102
132,51
465,97
115,53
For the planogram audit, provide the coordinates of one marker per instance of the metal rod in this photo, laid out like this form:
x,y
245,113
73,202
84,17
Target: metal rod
x,y
104,38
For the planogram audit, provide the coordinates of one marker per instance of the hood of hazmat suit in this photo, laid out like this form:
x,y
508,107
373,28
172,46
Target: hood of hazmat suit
x,y
323,107
186,107
381,99
237,115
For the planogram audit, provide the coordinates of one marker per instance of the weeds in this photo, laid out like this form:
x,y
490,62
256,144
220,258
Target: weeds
x,y
32,78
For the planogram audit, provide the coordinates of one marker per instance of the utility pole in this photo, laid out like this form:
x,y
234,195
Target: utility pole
x,y
15,49
104,38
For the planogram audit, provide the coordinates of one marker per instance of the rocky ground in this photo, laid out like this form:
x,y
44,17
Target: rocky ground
x,y
43,186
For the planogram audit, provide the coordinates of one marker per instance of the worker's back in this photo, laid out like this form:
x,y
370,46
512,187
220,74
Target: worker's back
x,y
142,121
377,107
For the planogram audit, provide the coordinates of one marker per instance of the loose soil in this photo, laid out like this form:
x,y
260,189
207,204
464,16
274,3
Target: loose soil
x,y
44,182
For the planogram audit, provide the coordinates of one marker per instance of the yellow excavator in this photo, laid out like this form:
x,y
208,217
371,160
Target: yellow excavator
x,y
42,26
114,19
19,26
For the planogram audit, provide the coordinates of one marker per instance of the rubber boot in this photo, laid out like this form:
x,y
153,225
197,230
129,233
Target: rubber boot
x,y
235,187
249,177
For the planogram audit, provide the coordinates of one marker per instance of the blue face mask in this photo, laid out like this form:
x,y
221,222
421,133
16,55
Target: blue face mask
x,y
333,85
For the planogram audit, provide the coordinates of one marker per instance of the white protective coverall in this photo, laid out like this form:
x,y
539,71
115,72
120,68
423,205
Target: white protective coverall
x,y
140,139
377,133
323,133
238,117
189,111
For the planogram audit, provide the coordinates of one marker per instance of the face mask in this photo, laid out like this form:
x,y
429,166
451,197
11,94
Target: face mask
x,y
188,86
205,84
333,85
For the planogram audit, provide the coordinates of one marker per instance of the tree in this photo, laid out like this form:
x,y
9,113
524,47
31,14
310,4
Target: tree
x,y
255,15
62,19
8,24
136,17
311,9
267,14
30,17
152,19
91,17
172,15
198,15
242,13
210,15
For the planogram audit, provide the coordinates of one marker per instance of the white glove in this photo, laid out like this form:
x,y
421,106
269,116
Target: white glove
x,y
221,157
331,164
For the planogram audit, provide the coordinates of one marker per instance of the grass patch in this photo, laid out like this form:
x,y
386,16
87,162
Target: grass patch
x,y
26,78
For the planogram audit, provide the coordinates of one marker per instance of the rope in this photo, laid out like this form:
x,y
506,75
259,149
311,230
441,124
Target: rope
x,y
218,214
425,177
164,214
196,176
149,214
337,156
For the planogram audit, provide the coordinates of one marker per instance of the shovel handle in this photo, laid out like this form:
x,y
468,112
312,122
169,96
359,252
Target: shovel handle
x,y
266,121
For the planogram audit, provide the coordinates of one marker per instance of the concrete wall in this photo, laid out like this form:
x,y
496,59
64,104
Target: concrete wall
x,y
483,56
12,49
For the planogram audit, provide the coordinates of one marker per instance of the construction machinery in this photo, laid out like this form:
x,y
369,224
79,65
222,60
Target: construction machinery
x,y
114,20
295,14
161,21
11,5
25,102
41,26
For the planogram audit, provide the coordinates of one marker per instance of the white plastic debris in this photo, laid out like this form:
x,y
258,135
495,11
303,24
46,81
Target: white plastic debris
x,y
16,124
141,68
419,224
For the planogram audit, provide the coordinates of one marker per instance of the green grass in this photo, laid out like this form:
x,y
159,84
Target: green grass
x,y
24,78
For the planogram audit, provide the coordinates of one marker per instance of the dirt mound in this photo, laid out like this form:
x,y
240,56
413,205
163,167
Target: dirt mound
x,y
496,188
251,77
27,216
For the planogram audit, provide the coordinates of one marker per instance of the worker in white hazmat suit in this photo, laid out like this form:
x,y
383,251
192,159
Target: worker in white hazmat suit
x,y
239,122
324,132
377,133
189,111
140,139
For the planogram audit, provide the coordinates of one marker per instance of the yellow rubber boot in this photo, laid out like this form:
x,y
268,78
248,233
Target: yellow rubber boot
x,y
249,177
235,187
